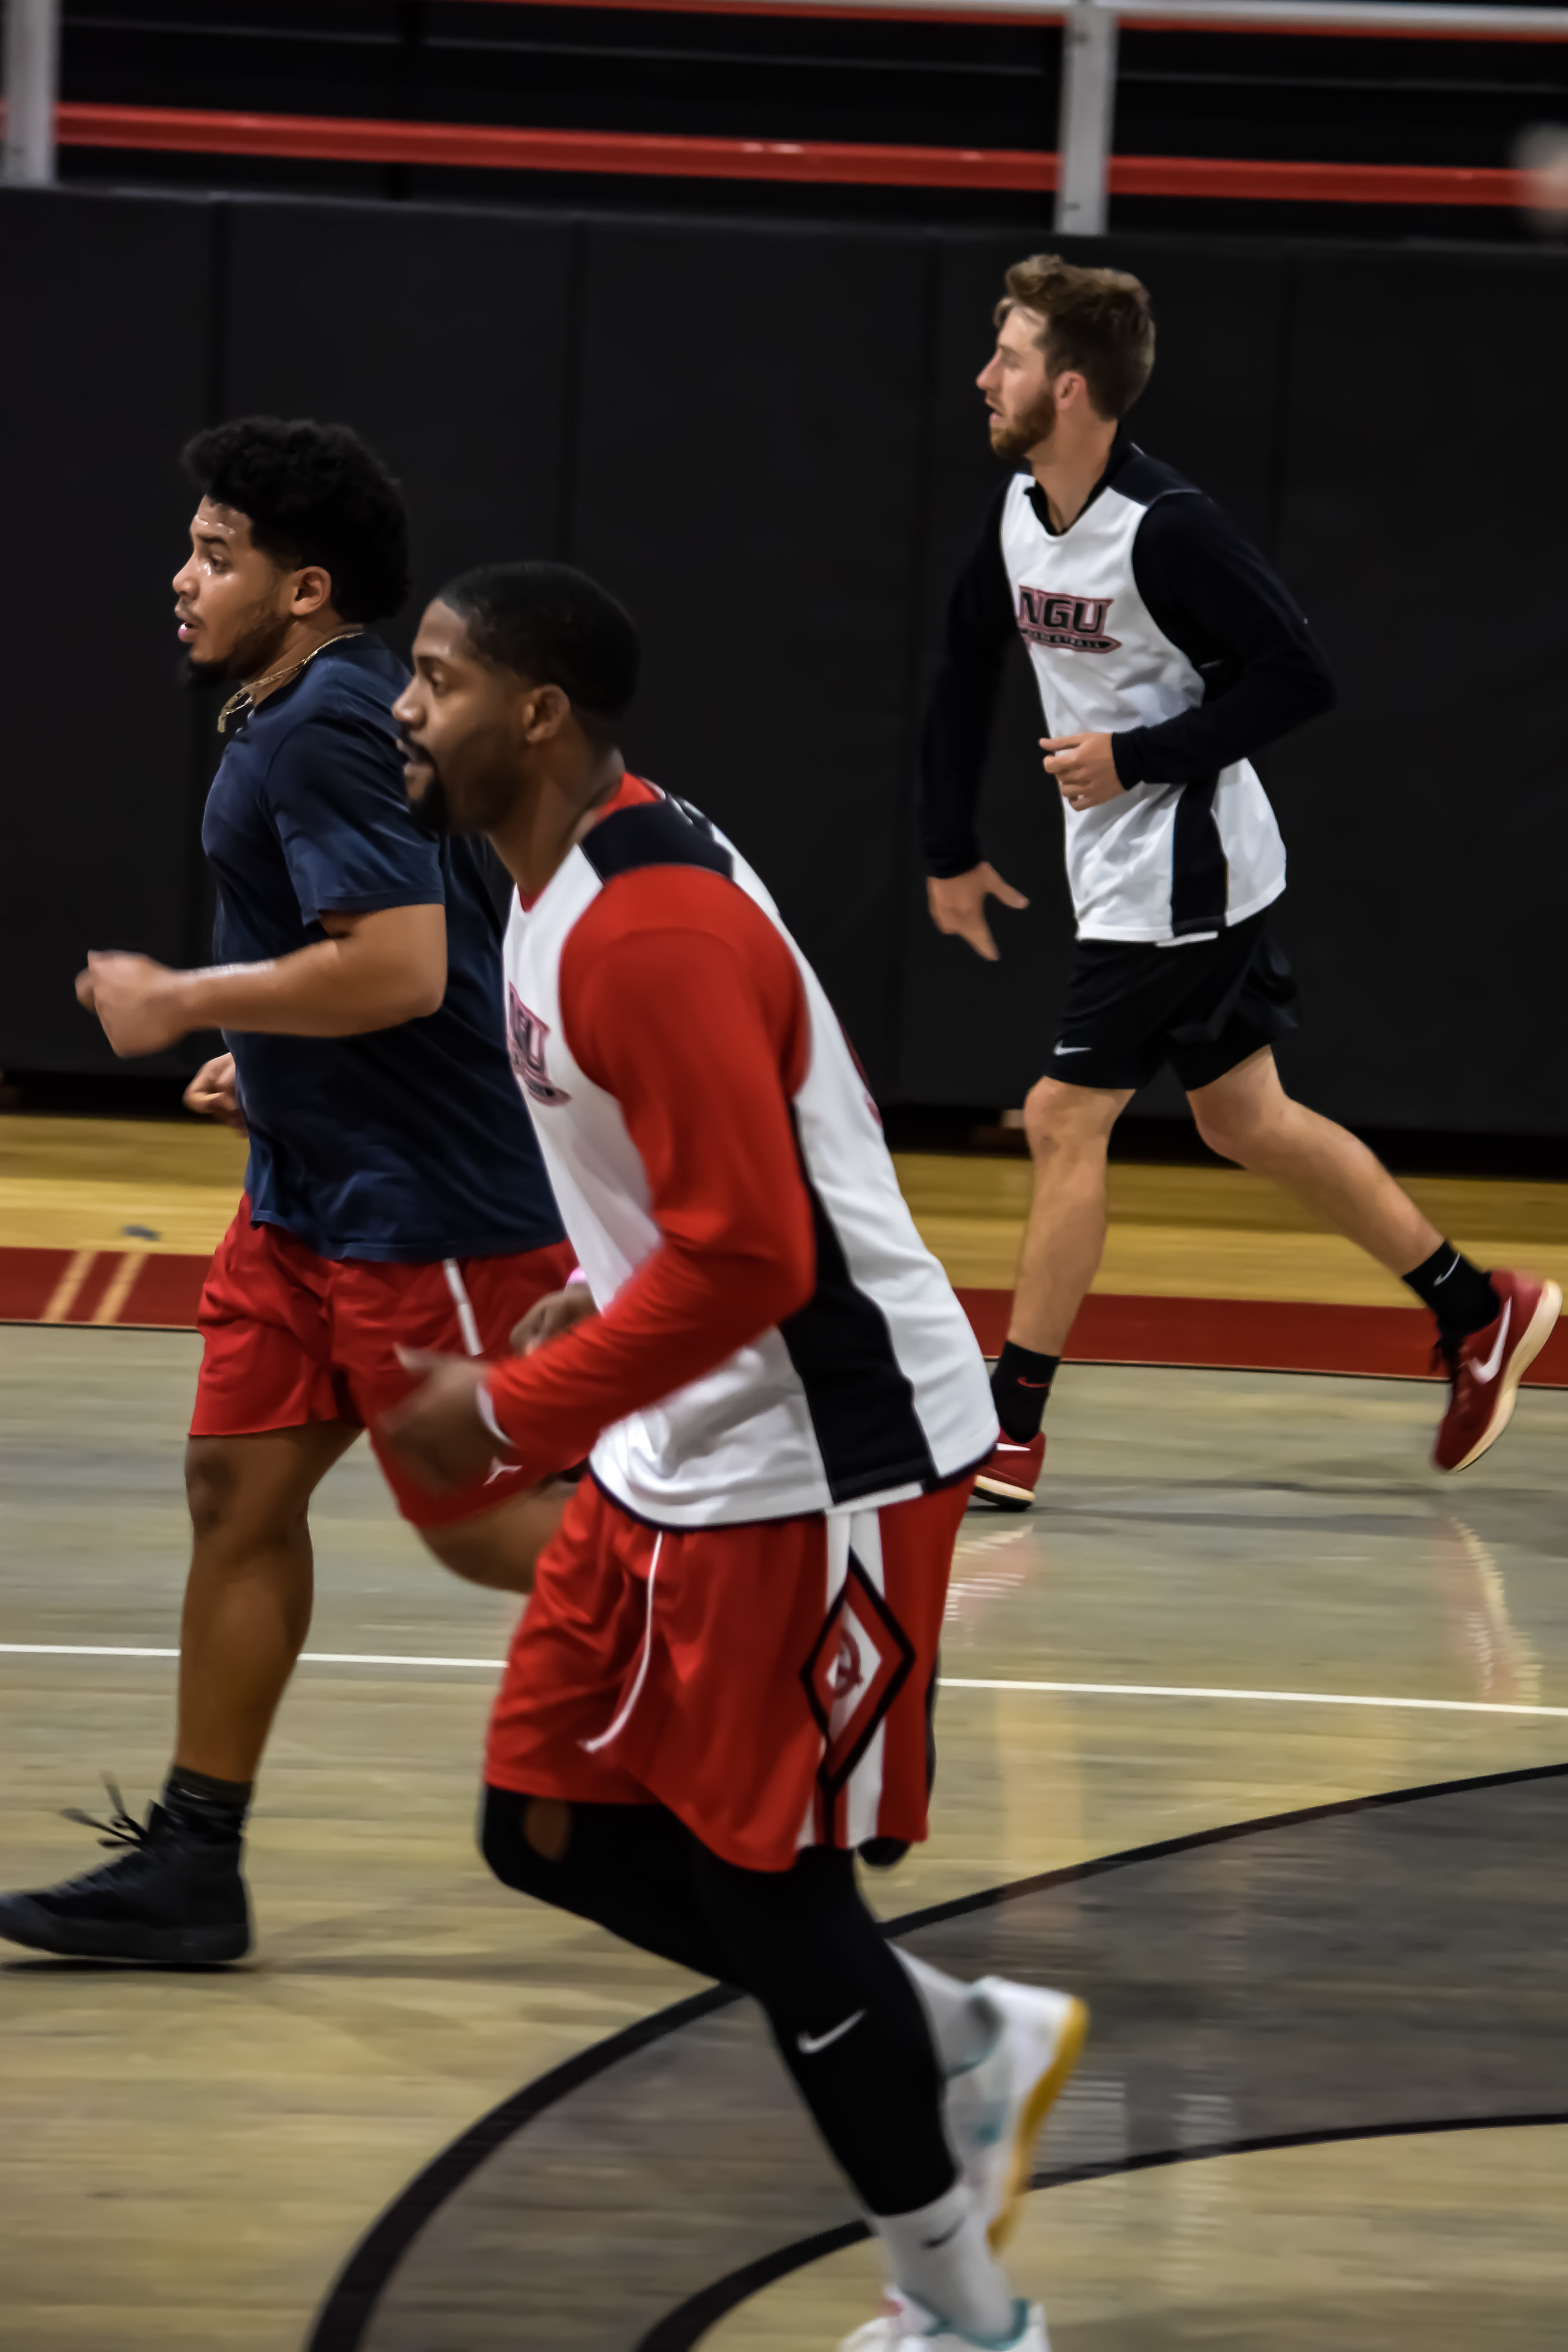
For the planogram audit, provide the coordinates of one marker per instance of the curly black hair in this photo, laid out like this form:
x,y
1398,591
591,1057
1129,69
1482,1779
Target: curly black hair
x,y
312,494
554,624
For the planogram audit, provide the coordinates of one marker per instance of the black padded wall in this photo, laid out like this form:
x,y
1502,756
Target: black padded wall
x,y
765,437
1424,518
449,340
104,310
750,471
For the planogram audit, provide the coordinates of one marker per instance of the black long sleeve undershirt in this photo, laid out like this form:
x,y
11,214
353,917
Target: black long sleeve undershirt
x,y
1207,589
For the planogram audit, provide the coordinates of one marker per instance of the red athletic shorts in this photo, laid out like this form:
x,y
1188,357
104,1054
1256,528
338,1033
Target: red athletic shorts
x,y
771,1684
291,1338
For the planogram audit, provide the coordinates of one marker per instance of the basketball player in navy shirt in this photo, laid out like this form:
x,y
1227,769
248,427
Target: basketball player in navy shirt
x,y
395,1195
1166,652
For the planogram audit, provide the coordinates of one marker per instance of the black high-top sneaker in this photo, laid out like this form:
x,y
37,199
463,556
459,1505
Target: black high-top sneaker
x,y
175,1898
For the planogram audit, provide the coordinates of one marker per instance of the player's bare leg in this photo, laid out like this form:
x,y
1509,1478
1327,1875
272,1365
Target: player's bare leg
x,y
250,1590
1068,1130
499,1548
1248,1117
1490,1328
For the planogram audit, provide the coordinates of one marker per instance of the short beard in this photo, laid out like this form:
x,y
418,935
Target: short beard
x,y
251,655
432,812
1034,427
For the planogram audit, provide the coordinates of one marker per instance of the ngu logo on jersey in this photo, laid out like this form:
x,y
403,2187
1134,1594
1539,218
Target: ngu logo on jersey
x,y
526,1038
1076,624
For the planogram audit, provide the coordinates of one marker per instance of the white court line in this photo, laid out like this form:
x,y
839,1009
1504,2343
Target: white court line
x,y
1264,1697
307,1657
949,1682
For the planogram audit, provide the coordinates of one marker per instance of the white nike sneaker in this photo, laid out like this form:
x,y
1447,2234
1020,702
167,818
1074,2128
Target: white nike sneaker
x,y
903,2322
995,2108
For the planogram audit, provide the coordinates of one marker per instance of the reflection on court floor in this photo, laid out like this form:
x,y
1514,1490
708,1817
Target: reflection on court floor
x,y
1378,1968
1244,1595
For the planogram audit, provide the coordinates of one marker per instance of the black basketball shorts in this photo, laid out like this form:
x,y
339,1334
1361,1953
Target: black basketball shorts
x,y
1204,1007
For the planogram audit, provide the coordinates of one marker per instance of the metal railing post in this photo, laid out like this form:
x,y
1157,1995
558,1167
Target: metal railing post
x,y
32,79
1088,104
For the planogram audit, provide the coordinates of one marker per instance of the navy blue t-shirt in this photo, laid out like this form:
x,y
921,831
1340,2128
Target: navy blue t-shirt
x,y
412,1143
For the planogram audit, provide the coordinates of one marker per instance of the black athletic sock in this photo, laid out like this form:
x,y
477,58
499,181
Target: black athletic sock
x,y
1020,1387
1459,1294
216,1809
800,1940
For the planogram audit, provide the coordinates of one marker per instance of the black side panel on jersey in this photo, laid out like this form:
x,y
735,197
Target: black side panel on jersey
x,y
1199,876
660,833
861,1404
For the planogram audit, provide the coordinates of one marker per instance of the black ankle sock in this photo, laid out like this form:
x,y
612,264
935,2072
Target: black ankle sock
x,y
1459,1294
1020,1387
216,1807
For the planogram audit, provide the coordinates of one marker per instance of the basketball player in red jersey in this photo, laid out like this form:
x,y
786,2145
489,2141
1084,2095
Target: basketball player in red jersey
x,y
719,1690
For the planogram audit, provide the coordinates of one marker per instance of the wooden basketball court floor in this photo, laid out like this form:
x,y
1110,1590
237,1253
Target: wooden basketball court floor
x,y
1256,1733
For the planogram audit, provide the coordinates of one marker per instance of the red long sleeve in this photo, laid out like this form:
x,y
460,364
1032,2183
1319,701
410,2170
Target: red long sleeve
x,y
679,998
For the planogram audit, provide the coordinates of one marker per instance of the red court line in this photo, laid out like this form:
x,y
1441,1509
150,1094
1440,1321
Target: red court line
x,y
95,1282
333,138
166,1291
1244,1333
28,1278
1253,1334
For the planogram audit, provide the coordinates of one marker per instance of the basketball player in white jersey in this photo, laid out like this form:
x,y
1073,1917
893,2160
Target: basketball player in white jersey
x,y
1166,652
719,1690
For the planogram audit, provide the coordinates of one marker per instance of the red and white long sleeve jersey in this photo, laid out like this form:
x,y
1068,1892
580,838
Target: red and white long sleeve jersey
x,y
773,1335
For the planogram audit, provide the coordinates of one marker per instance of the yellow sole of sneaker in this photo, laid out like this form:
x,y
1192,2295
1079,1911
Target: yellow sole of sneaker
x,y
1036,2107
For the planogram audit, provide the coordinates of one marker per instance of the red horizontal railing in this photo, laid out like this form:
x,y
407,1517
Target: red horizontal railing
x,y
329,138
1132,19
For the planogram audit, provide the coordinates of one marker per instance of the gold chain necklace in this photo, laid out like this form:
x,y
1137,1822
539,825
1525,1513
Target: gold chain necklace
x,y
243,702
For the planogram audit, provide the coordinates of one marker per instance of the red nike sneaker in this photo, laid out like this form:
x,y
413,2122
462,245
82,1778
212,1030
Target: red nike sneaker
x,y
1484,1376
1010,1472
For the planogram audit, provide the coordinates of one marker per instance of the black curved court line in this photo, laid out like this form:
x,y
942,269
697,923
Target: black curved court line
x,y
351,2306
351,2300
680,2329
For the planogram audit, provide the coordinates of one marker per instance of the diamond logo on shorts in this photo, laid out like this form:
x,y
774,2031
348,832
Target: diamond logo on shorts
x,y
859,1662
527,1036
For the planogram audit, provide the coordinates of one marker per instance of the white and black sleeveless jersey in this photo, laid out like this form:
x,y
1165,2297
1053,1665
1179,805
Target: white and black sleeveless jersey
x,y
875,1391
1153,619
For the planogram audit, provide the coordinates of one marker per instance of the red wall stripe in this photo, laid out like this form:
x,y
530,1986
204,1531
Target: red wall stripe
x,y
325,138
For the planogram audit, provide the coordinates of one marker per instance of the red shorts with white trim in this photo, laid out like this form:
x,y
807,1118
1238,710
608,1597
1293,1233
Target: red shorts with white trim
x,y
770,1683
291,1337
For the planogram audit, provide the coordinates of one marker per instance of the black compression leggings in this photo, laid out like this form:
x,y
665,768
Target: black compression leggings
x,y
846,2019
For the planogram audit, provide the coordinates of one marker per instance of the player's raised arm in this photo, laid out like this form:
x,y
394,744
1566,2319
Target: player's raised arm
x,y
372,971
